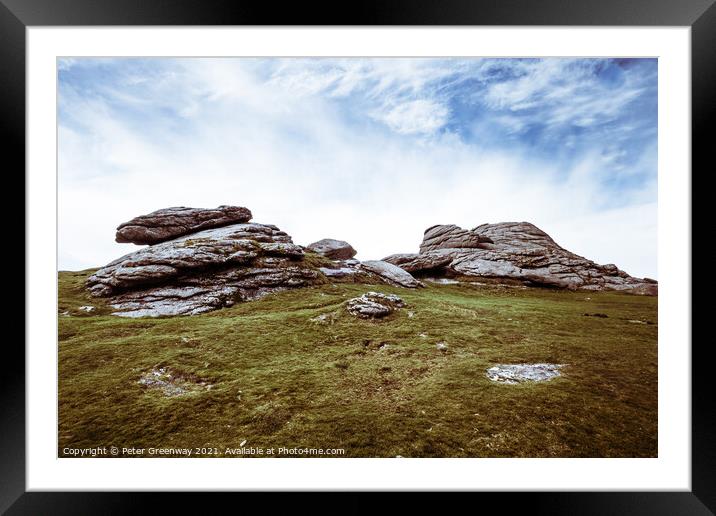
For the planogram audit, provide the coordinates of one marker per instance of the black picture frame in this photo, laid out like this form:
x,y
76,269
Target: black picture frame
x,y
17,15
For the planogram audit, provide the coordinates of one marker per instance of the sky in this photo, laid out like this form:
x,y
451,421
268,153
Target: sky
x,y
368,150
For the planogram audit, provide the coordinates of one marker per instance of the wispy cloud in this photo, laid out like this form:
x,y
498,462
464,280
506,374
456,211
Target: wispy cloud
x,y
414,117
368,150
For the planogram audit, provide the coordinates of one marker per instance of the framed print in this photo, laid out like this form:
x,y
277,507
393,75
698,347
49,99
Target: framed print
x,y
413,250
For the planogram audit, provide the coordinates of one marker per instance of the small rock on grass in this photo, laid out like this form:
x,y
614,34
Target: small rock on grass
x,y
441,346
373,305
517,373
328,318
171,383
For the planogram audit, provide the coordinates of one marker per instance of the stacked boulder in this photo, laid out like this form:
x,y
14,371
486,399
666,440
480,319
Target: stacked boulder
x,y
198,260
512,251
162,225
333,249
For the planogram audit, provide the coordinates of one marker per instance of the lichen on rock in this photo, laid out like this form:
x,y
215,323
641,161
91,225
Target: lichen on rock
x,y
374,305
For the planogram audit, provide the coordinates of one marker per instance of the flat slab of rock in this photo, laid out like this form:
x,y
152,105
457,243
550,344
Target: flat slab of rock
x,y
339,272
517,373
391,273
374,305
169,223
333,249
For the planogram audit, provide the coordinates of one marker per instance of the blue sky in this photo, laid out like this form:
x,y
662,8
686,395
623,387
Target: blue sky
x,y
372,151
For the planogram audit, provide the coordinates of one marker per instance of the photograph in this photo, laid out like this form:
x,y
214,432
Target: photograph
x,y
357,257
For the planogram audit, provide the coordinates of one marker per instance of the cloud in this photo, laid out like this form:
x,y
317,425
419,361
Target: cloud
x,y
414,117
369,151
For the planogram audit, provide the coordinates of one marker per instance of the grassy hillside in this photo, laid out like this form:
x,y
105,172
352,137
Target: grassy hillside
x,y
265,373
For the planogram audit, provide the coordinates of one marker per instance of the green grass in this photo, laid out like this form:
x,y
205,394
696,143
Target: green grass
x,y
373,388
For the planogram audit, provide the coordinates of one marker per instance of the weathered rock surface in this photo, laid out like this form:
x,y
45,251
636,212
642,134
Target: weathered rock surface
x,y
201,260
203,271
334,249
343,269
517,373
516,251
339,272
168,223
373,305
450,236
392,274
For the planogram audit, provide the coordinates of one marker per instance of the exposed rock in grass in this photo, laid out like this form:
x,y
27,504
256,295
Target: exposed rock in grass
x,y
172,383
334,249
190,342
516,251
391,273
638,321
517,373
441,346
168,223
328,318
374,305
87,308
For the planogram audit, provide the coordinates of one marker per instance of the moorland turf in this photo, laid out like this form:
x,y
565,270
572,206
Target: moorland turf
x,y
272,377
